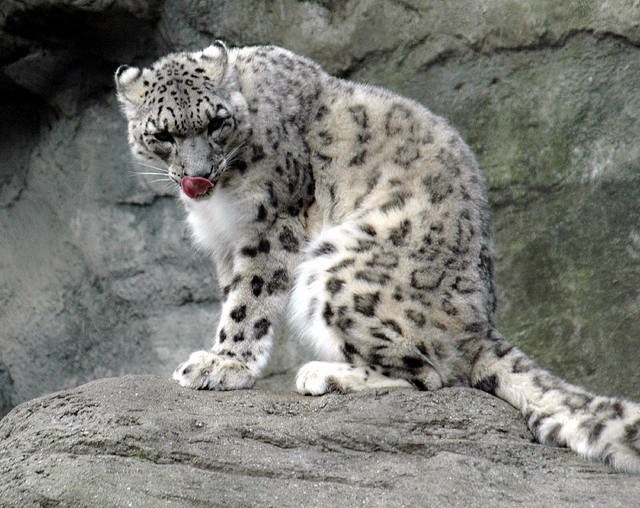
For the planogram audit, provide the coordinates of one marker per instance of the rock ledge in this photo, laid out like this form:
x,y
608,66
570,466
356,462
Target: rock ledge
x,y
144,441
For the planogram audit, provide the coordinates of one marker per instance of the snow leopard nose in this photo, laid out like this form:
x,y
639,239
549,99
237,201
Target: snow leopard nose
x,y
196,156
199,172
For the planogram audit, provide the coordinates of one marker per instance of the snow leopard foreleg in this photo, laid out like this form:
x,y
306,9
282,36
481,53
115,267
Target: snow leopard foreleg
x,y
253,302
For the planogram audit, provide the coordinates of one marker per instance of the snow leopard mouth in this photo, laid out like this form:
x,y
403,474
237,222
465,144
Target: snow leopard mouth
x,y
196,187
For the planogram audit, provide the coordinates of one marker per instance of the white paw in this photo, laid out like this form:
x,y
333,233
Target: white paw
x,y
208,371
317,378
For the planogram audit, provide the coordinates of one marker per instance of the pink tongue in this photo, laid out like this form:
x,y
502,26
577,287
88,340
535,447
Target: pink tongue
x,y
194,186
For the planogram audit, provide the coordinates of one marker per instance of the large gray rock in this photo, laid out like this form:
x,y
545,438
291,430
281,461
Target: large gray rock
x,y
97,275
143,441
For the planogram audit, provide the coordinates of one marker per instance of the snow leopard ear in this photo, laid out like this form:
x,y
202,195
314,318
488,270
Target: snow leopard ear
x,y
130,87
216,58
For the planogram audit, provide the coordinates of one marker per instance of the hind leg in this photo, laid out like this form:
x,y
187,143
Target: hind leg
x,y
318,378
360,302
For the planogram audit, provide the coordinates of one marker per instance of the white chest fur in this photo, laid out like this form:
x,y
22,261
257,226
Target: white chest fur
x,y
217,222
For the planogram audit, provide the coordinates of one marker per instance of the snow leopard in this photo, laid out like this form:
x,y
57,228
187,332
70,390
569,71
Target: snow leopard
x,y
358,217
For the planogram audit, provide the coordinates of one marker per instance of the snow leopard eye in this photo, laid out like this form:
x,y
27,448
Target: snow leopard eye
x,y
214,125
164,137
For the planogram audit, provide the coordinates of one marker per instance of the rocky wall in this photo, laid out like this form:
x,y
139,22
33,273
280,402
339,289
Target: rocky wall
x,y
97,274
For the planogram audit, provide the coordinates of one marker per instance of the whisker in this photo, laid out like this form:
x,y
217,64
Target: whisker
x,y
234,151
149,166
233,155
136,173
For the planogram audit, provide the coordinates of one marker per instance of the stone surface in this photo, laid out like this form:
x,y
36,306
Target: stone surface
x,y
143,441
97,274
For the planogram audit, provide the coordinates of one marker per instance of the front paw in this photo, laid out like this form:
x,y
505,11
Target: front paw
x,y
208,371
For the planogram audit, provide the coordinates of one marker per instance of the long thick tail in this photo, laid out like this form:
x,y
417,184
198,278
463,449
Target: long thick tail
x,y
596,427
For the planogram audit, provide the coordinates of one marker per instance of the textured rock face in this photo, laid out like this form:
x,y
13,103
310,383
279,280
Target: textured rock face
x,y
97,275
143,441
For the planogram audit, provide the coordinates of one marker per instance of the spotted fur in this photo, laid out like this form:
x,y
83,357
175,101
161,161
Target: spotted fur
x,y
360,217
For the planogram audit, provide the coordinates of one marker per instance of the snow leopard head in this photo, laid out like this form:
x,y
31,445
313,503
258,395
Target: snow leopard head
x,y
186,114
